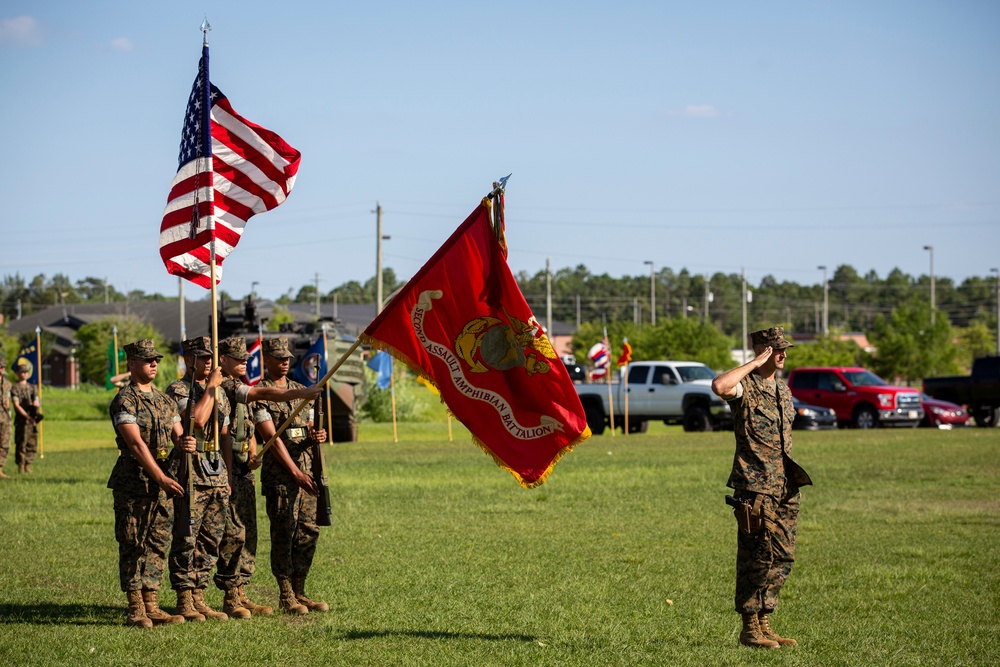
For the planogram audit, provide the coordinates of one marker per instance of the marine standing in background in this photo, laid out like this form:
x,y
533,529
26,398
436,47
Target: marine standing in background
x,y
26,406
4,414
146,423
193,557
766,483
287,485
238,551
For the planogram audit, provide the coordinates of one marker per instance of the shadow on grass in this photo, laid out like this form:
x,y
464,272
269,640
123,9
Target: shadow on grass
x,y
62,614
432,634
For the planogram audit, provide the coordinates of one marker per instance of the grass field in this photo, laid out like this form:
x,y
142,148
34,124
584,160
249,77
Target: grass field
x,y
624,557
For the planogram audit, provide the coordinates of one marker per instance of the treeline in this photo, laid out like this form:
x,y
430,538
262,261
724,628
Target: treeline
x,y
579,296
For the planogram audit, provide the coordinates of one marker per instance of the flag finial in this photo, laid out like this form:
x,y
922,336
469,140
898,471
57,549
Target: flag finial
x,y
206,27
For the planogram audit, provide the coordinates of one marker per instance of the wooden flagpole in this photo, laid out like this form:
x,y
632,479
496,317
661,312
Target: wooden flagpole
x,y
392,398
206,129
325,397
611,400
298,408
38,356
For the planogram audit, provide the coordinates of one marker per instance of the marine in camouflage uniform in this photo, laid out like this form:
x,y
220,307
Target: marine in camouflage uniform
x,y
24,396
193,557
238,551
766,480
4,415
291,495
143,480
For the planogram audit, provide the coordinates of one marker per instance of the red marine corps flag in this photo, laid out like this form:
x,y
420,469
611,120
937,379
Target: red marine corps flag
x,y
229,169
462,322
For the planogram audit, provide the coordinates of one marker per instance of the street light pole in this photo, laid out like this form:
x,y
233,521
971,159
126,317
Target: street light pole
x,y
826,302
930,249
652,294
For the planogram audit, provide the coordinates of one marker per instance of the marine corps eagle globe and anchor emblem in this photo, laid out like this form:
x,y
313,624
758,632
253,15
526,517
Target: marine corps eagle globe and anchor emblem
x,y
489,343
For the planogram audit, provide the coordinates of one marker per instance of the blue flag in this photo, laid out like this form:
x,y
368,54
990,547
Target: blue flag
x,y
381,363
29,356
312,366
255,365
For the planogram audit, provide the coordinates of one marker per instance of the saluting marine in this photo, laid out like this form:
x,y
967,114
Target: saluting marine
x,y
766,482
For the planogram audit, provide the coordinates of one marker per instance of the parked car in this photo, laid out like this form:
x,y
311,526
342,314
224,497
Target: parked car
x,y
857,395
942,414
813,417
980,392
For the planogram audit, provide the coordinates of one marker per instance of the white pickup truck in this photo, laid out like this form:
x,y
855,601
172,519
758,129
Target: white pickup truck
x,y
674,392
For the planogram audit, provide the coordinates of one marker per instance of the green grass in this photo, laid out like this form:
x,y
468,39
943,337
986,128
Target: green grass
x,y
624,557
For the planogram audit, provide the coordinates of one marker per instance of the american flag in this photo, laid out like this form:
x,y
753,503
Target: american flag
x,y
229,169
601,356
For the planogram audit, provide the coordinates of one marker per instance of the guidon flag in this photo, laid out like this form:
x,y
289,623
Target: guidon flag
x,y
462,323
229,169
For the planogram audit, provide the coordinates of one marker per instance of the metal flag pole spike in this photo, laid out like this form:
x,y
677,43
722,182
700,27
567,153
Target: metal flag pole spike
x,y
206,28
499,186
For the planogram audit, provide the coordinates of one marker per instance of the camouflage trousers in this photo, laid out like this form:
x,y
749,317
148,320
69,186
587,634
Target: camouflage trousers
x,y
4,441
26,442
764,559
294,532
192,558
238,551
143,525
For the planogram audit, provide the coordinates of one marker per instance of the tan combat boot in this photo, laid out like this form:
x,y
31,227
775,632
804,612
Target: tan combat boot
x,y
20,468
299,586
255,609
767,631
232,605
185,606
751,635
136,617
153,611
3,475
288,602
200,605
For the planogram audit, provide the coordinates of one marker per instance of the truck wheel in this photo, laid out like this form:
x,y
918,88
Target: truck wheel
x,y
696,419
987,417
595,419
638,426
865,417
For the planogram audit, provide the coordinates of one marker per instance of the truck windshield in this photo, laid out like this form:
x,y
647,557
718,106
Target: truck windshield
x,y
692,373
864,379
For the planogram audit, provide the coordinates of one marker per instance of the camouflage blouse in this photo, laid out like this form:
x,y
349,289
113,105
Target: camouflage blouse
x,y
23,394
299,447
762,420
4,400
155,414
178,391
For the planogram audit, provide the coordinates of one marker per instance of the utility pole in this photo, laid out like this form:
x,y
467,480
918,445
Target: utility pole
x,y
317,296
743,340
635,310
826,302
709,297
652,294
378,257
930,249
106,299
548,299
577,311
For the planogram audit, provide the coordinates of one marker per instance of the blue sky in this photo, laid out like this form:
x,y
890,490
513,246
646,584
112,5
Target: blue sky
x,y
716,136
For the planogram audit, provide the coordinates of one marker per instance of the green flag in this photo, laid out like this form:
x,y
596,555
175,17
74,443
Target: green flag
x,y
111,372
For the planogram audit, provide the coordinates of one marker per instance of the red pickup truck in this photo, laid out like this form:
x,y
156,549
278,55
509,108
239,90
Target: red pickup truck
x,y
858,396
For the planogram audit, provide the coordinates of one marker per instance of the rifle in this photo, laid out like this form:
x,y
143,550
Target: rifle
x,y
323,509
183,521
32,410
